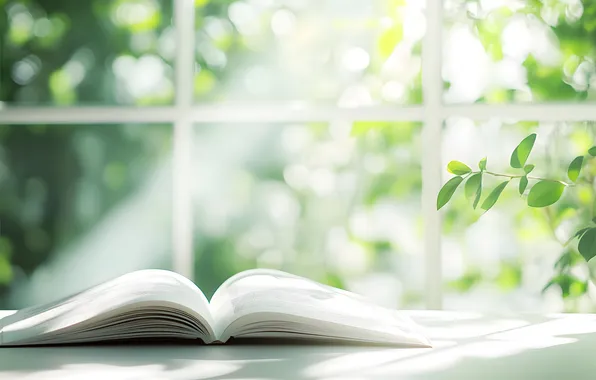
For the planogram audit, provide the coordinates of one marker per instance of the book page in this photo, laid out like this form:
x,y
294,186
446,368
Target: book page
x,y
132,300
273,303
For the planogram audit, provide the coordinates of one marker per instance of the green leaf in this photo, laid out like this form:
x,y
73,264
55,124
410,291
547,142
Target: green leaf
x,y
458,168
510,276
522,151
577,234
580,233
494,195
592,151
523,183
575,167
568,259
528,168
361,128
482,164
204,82
545,193
471,187
387,41
548,286
587,244
447,191
478,194
569,285
466,282
578,288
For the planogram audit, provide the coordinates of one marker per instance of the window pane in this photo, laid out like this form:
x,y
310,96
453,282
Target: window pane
x,y
500,261
355,52
314,200
80,205
66,52
519,51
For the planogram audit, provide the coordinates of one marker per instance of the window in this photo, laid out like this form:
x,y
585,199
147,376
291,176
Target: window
x,y
214,136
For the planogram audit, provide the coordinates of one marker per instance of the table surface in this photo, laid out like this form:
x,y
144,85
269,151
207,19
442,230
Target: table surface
x,y
466,346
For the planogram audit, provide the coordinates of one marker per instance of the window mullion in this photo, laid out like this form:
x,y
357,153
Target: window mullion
x,y
276,113
432,86
182,221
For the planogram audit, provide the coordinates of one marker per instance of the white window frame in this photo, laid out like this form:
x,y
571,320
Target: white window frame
x,y
183,113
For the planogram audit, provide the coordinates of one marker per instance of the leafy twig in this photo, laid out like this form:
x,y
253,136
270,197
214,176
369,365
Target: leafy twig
x,y
545,192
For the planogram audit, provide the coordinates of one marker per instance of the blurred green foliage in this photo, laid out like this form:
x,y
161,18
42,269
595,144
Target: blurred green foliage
x,y
322,52
293,206
58,182
68,52
555,46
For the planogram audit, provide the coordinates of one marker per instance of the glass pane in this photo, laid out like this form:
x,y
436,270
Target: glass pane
x,y
346,52
80,205
105,52
501,260
317,200
519,51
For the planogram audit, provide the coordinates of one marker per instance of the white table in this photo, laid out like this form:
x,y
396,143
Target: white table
x,y
467,346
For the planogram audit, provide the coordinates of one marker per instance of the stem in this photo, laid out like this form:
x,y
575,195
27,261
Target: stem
x,y
529,177
503,175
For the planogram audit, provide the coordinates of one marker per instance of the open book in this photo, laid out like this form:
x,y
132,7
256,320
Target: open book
x,y
259,303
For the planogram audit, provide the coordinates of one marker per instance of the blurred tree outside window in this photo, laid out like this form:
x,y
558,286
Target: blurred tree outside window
x,y
365,53
519,51
338,202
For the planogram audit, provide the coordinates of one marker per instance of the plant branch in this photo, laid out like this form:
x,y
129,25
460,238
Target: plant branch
x,y
529,177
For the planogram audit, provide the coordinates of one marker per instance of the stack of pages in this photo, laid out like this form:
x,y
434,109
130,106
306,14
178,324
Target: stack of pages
x,y
158,304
